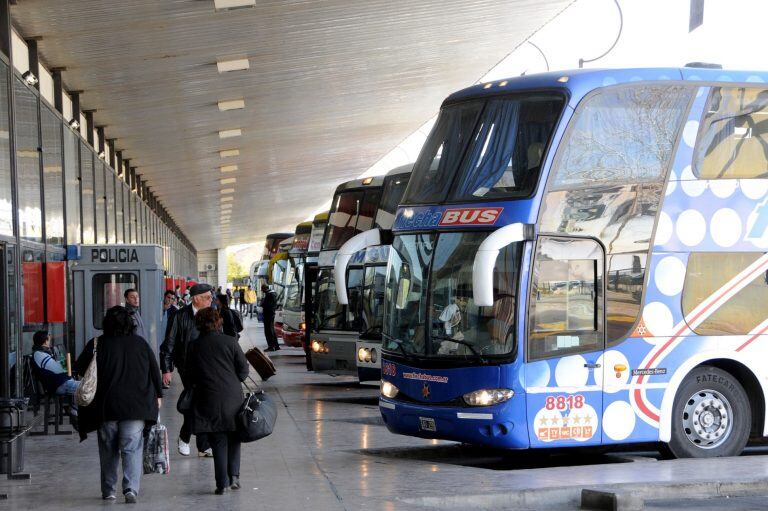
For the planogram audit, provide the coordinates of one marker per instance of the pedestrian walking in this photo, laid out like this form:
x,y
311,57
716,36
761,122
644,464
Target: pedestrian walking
x,y
268,307
237,298
132,304
173,355
128,397
216,368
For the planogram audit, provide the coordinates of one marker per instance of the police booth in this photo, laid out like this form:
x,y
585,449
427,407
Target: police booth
x,y
100,277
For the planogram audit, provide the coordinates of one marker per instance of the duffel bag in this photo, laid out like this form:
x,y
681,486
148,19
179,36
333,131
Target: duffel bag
x,y
256,417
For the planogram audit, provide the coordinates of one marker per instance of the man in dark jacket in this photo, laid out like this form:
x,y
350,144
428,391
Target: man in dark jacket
x,y
174,351
268,307
132,304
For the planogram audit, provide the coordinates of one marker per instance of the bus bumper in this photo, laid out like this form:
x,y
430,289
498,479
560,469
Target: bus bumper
x,y
492,426
338,360
293,338
369,365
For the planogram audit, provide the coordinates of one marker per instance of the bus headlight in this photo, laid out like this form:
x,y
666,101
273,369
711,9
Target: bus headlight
x,y
302,326
316,346
373,355
388,390
488,397
361,354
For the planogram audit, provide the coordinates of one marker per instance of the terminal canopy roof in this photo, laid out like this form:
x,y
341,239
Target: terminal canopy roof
x,y
331,87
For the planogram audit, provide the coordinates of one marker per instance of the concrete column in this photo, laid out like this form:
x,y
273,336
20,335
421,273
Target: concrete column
x,y
222,268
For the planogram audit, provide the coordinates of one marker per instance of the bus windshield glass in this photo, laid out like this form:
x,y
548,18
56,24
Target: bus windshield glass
x,y
373,300
352,212
394,187
487,149
430,311
330,313
293,289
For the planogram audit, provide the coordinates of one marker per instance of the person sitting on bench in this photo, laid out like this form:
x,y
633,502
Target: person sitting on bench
x,y
54,378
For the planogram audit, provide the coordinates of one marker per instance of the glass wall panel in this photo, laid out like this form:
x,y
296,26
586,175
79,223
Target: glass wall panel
x,y
86,174
101,209
52,177
28,163
134,218
119,216
6,199
110,198
72,187
33,301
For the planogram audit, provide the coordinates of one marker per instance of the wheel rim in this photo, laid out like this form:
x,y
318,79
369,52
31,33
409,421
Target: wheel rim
x,y
707,419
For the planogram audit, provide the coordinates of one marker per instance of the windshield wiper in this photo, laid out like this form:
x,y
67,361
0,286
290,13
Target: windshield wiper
x,y
398,343
468,344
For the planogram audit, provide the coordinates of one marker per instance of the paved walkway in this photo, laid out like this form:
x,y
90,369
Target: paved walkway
x,y
330,451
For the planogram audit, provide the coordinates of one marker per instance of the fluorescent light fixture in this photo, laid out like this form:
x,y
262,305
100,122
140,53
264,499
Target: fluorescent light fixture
x,y
228,198
236,132
74,124
225,191
228,168
228,180
228,153
226,206
232,104
225,66
221,5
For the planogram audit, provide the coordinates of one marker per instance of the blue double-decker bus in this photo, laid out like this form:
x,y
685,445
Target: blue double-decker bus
x,y
580,259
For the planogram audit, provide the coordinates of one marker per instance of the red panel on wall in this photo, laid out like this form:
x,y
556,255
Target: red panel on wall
x,y
56,280
169,284
32,280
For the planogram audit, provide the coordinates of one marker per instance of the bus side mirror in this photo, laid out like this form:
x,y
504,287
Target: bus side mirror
x,y
485,259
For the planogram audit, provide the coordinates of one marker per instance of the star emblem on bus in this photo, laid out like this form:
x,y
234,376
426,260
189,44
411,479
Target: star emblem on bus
x,y
425,391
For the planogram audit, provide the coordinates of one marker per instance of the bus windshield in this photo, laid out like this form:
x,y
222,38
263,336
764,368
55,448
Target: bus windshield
x,y
485,149
293,294
394,187
352,212
373,300
430,311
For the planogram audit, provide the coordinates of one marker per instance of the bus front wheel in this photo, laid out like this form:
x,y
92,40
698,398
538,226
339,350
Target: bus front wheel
x,y
711,415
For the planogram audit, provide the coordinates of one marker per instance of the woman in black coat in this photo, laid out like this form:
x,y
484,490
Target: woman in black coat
x,y
231,324
128,394
216,368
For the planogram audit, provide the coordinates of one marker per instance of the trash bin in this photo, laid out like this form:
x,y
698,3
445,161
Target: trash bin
x,y
12,421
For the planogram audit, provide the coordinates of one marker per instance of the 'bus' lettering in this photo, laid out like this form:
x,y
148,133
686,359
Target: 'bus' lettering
x,y
470,216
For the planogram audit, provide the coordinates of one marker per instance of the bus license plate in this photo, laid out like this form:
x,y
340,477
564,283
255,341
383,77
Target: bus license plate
x,y
427,424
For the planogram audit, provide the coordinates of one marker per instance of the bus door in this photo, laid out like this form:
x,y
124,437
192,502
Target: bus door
x,y
565,342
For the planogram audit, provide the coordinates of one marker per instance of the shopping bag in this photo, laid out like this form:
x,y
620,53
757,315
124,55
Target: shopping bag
x,y
157,456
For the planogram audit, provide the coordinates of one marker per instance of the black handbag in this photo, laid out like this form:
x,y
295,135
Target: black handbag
x,y
256,417
186,400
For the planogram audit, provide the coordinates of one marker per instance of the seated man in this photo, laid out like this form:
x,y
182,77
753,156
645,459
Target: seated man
x,y
54,378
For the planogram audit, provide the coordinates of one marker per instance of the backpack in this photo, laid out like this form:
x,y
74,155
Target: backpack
x,y
237,320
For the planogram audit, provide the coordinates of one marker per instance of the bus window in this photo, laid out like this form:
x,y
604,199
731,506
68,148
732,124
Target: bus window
x,y
354,292
434,169
342,220
734,135
566,298
709,272
108,290
505,153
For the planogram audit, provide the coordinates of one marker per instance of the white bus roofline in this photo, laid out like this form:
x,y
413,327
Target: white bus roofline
x,y
485,259
356,243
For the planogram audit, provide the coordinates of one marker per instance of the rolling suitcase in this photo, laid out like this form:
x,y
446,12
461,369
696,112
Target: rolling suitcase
x,y
261,362
157,456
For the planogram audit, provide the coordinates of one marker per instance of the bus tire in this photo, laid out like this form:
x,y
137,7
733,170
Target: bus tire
x,y
711,415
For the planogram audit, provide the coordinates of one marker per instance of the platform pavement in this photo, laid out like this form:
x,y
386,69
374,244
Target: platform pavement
x,y
330,451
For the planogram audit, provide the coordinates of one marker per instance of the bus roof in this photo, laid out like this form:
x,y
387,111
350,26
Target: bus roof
x,y
368,182
303,228
279,235
579,82
321,218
